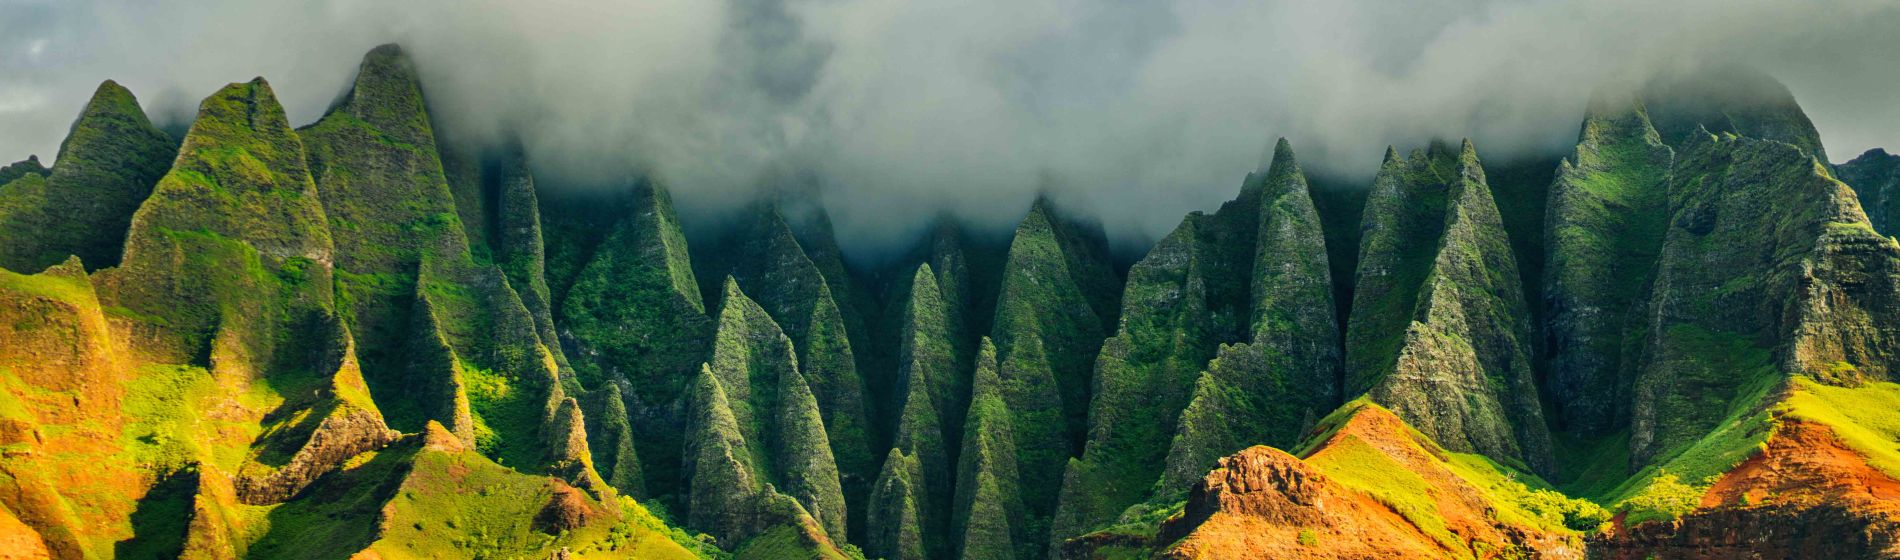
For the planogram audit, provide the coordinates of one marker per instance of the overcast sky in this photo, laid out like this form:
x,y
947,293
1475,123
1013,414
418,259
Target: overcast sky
x,y
1132,111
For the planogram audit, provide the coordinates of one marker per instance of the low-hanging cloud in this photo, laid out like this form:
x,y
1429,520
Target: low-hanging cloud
x,y
1132,111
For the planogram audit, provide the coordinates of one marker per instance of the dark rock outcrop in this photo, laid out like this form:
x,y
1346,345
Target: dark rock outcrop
x,y
1875,176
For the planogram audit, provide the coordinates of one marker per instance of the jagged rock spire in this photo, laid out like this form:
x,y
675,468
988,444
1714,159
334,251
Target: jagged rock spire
x,y
988,519
1440,330
766,259
753,360
897,525
1272,388
1056,302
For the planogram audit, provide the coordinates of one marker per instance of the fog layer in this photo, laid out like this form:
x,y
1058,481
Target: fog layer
x,y
1132,111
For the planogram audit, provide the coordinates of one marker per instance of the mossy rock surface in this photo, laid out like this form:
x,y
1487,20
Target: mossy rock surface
x,y
1440,329
1608,213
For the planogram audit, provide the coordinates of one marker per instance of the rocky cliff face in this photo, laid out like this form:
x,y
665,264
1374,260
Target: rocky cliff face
x,y
1440,331
1607,215
989,518
1875,177
427,312
371,336
1253,274
919,485
774,412
1745,293
1275,385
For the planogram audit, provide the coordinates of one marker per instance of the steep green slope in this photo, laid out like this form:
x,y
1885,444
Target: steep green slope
x,y
1608,211
774,413
988,519
429,315
1459,365
951,258
519,250
768,262
897,525
107,165
1186,297
929,427
634,315
1875,177
1051,317
857,306
213,348
1403,220
1272,388
374,160
1769,268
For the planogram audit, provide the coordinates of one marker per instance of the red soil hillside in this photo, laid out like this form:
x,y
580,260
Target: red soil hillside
x,y
1806,495
1372,488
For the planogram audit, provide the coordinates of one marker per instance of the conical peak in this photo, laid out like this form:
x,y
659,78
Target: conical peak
x,y
1392,157
115,98
1613,104
240,112
387,93
986,375
1469,167
1618,116
1285,166
764,218
923,276
239,100
1042,206
732,292
383,64
386,51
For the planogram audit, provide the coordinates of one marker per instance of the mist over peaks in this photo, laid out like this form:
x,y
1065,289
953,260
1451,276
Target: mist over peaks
x,y
890,113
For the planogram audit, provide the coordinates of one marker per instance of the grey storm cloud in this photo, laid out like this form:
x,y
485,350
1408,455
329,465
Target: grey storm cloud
x,y
889,113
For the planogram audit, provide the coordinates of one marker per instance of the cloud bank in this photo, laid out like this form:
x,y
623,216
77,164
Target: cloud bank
x,y
1132,111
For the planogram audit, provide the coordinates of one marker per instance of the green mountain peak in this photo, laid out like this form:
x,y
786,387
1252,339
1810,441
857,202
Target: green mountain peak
x,y
110,160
